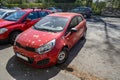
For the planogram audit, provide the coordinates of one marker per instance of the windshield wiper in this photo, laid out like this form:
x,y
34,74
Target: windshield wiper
x,y
43,29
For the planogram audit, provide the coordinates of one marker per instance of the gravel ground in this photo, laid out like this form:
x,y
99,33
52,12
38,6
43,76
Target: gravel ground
x,y
96,58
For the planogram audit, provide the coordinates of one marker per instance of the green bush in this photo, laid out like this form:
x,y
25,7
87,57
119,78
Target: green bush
x,y
25,5
97,8
65,6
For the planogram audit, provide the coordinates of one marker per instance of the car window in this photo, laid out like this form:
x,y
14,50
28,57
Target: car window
x,y
50,8
43,13
79,19
75,9
7,15
15,16
33,15
56,7
73,22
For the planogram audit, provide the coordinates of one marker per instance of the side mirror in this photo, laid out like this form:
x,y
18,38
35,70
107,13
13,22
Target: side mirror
x,y
74,30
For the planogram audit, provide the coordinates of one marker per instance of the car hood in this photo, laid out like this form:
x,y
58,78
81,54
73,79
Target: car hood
x,y
35,38
4,23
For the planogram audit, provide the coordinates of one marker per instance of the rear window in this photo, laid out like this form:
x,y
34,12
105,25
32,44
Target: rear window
x,y
43,13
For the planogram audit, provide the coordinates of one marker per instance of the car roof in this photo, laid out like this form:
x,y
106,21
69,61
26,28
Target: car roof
x,y
64,14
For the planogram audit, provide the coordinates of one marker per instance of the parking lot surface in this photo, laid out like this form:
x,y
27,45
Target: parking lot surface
x,y
96,58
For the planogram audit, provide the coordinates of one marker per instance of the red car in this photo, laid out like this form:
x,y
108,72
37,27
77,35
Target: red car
x,y
19,21
48,42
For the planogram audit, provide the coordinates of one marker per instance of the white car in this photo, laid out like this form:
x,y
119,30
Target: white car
x,y
5,12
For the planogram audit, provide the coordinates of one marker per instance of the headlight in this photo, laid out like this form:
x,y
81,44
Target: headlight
x,y
3,30
46,48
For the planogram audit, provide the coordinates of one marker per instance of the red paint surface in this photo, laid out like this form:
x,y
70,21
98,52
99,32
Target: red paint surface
x,y
18,25
30,35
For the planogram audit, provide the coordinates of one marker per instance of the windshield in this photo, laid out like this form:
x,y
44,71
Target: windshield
x,y
15,16
1,13
51,23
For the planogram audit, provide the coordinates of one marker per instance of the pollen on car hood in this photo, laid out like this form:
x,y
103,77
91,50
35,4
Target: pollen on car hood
x,y
35,38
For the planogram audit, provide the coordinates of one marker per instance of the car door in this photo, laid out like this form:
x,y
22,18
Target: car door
x,y
73,37
80,27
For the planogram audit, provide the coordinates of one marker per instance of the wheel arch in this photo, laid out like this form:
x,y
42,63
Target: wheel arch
x,y
65,46
17,30
10,38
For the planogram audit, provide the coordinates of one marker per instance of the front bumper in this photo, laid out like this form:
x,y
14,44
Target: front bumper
x,y
37,60
3,41
3,38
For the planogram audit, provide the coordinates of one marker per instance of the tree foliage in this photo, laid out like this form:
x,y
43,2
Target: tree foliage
x,y
64,1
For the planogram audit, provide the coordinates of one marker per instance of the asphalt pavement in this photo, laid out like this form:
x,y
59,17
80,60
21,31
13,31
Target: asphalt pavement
x,y
95,58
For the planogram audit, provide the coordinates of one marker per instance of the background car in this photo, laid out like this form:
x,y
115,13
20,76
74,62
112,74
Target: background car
x,y
85,11
3,7
54,9
5,12
48,42
19,21
16,8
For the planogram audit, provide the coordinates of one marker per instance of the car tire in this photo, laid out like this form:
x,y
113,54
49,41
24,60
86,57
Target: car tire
x,y
13,36
63,55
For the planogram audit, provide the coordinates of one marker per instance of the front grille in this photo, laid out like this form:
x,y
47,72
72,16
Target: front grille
x,y
25,47
43,62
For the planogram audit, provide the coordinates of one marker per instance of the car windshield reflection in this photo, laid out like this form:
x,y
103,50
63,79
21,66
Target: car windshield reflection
x,y
51,23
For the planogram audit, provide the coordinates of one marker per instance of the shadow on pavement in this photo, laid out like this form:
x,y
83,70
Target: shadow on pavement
x,y
4,46
108,26
20,71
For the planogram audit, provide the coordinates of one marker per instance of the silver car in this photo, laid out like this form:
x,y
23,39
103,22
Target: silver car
x,y
5,12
